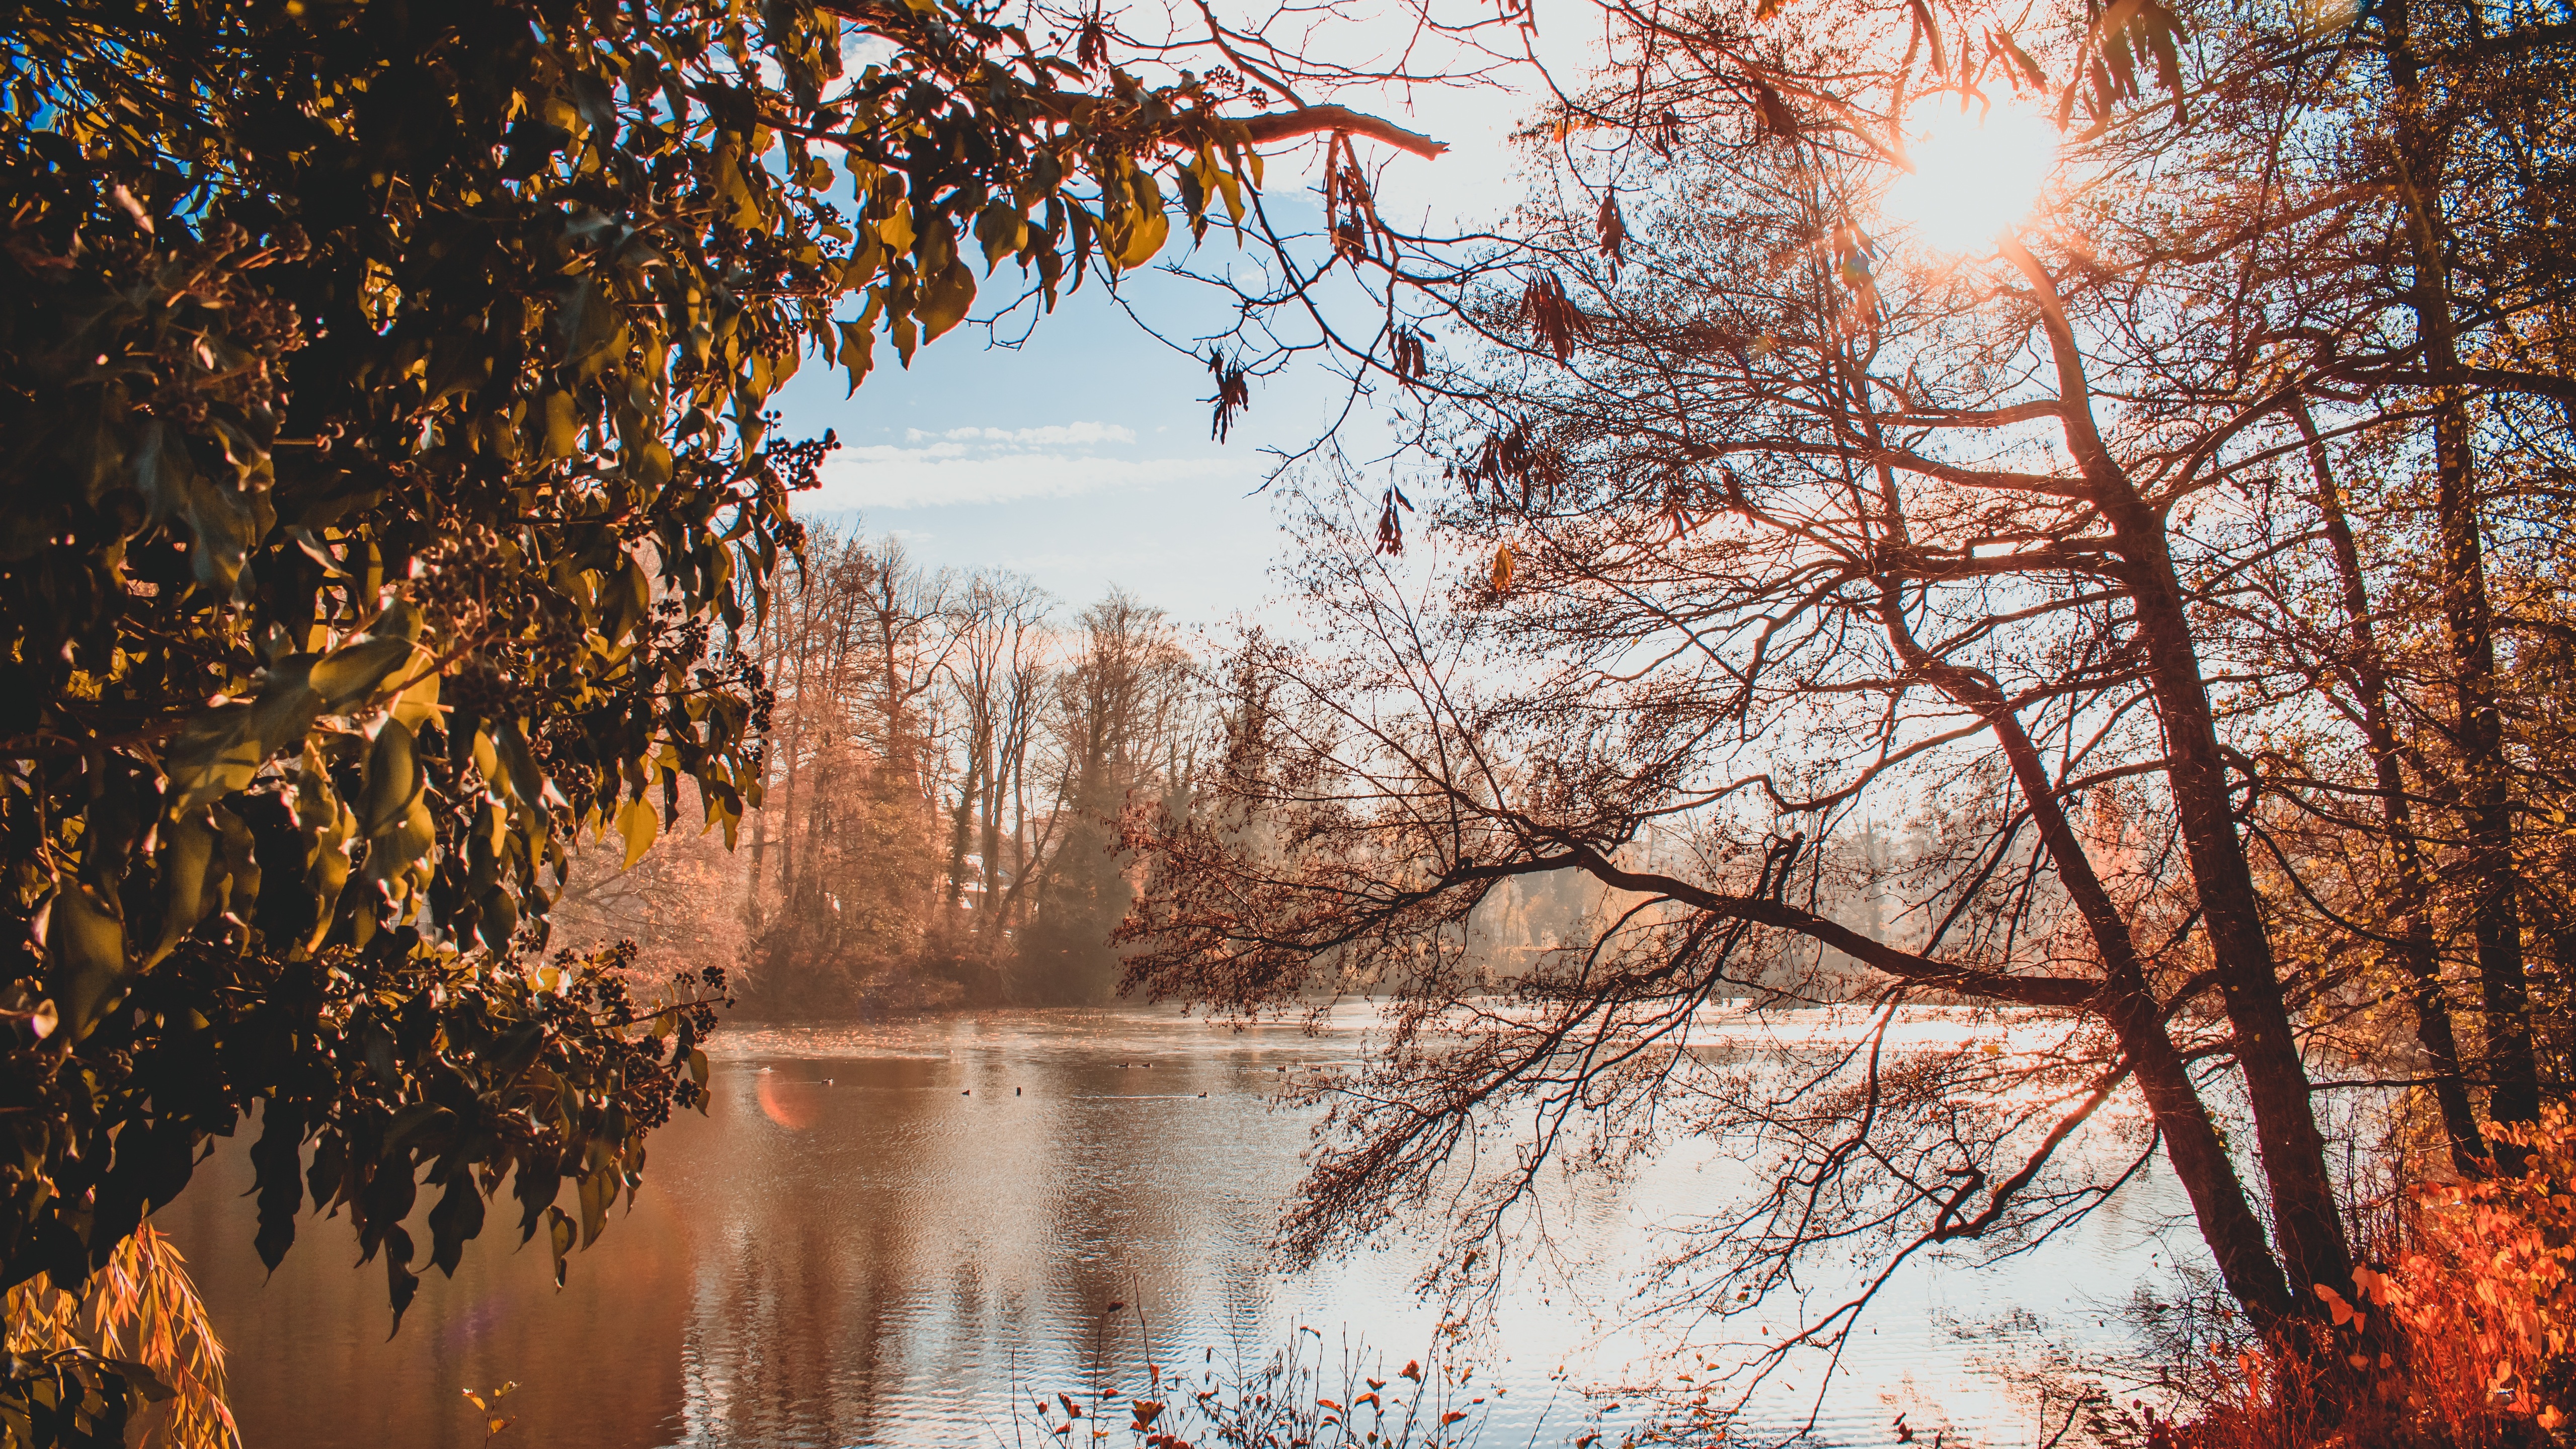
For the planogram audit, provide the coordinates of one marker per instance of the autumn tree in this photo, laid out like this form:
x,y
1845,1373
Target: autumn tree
x,y
1788,515
391,478
1114,734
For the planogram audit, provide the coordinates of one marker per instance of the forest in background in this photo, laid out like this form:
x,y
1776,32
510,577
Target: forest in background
x,y
954,762
947,758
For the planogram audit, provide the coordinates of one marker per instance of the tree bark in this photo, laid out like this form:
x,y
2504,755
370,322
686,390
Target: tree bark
x,y
2415,950
2468,617
2313,1249
2127,1001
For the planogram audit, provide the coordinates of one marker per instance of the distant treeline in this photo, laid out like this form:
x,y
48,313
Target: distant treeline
x,y
947,760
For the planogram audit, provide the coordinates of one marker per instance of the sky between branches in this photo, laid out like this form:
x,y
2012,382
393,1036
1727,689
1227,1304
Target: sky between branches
x,y
1082,458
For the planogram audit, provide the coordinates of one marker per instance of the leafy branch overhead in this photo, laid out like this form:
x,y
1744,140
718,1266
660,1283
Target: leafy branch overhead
x,y
390,475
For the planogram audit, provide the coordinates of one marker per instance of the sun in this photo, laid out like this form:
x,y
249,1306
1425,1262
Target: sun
x,y
1976,172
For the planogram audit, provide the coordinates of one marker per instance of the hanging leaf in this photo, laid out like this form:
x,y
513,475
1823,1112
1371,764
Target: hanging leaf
x,y
559,1240
948,298
639,824
85,966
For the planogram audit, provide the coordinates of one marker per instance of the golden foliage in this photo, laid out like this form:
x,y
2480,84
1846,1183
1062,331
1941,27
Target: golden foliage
x,y
142,1307
2464,1341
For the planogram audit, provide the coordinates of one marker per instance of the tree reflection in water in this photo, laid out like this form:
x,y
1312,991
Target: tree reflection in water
x,y
883,1260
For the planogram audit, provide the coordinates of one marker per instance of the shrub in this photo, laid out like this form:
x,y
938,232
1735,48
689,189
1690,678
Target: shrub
x,y
2462,1342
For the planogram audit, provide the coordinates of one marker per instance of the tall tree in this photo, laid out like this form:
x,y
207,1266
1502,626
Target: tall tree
x,y
1788,514
1116,695
389,480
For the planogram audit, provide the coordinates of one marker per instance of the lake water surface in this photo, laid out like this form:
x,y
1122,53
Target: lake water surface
x,y
898,1235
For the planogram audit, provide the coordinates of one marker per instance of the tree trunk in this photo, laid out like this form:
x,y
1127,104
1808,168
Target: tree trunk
x,y
961,822
2313,1249
2489,866
991,846
2415,950
2192,1141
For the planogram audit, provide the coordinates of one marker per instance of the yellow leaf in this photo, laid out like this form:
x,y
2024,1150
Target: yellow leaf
x,y
1503,568
417,705
896,230
639,824
1147,227
945,302
563,430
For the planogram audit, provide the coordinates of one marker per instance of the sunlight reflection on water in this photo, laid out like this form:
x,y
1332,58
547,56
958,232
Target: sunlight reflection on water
x,y
893,1234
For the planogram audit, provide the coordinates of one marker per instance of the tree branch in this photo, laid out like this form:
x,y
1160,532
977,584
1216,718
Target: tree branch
x,y
1924,971
1316,120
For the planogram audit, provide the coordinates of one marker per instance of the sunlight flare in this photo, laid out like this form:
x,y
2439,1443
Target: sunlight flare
x,y
1976,172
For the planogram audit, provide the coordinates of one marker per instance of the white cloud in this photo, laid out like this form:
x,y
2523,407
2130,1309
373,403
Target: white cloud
x,y
1074,435
998,465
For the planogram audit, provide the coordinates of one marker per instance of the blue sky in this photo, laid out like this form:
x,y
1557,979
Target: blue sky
x,y
1082,458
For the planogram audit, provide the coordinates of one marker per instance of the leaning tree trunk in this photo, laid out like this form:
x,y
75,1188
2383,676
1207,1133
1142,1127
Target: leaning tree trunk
x,y
2313,1248
2127,1002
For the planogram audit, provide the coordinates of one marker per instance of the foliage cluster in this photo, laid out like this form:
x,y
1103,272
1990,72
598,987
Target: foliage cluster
x,y
387,480
2468,1338
143,1294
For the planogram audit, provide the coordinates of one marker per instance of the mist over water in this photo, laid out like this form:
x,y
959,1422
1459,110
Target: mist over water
x,y
899,1235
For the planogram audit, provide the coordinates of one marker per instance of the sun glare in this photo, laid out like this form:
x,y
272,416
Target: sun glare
x,y
1975,173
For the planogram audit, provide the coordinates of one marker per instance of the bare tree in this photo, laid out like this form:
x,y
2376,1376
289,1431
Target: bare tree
x,y
1782,522
1119,698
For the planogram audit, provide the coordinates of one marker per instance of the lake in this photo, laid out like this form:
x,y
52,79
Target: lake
x,y
899,1235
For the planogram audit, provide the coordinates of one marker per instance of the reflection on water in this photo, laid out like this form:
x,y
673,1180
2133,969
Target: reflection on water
x,y
888,1235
